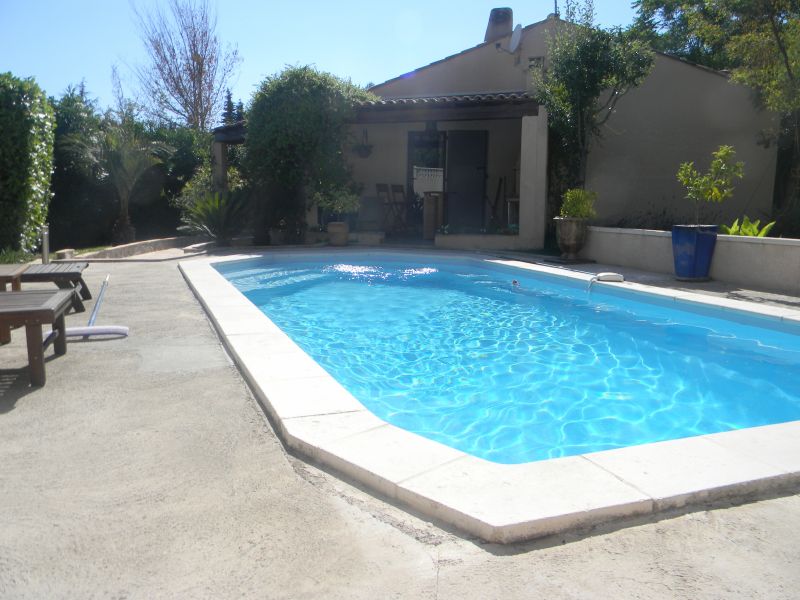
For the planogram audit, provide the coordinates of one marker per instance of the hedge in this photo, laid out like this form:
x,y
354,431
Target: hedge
x,y
26,161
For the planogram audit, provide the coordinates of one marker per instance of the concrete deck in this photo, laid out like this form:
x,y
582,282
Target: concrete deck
x,y
146,469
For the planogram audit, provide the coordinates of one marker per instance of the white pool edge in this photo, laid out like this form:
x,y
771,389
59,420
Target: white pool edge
x,y
317,418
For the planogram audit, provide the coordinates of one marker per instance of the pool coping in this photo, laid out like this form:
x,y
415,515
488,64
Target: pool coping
x,y
317,418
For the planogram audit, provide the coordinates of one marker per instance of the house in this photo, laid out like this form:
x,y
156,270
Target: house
x,y
476,107
457,150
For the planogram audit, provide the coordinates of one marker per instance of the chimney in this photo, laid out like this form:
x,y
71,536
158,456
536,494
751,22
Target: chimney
x,y
501,22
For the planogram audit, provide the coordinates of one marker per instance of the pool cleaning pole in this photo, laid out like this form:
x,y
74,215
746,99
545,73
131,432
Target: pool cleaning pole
x,y
91,328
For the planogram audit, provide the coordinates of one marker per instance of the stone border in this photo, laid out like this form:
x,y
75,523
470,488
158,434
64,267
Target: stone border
x,y
316,417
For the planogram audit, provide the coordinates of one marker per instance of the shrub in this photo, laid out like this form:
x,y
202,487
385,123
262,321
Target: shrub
x,y
220,216
8,257
747,228
578,203
26,161
296,133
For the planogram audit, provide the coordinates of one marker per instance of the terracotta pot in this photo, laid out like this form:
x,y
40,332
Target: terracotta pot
x,y
338,233
571,234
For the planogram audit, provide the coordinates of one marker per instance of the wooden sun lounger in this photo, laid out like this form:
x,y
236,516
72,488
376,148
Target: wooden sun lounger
x,y
66,275
33,309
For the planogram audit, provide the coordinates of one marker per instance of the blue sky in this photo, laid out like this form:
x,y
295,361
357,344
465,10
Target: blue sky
x,y
61,42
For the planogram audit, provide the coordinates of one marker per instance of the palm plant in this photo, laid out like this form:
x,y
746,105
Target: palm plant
x,y
219,216
121,156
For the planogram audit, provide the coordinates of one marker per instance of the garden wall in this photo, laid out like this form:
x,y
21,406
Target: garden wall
x,y
757,263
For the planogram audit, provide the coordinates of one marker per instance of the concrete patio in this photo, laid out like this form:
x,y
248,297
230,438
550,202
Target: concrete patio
x,y
144,468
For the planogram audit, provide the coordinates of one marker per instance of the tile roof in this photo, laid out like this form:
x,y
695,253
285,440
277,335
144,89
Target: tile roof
x,y
454,100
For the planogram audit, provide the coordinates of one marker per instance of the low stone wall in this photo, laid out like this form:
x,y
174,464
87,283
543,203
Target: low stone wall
x,y
757,263
143,247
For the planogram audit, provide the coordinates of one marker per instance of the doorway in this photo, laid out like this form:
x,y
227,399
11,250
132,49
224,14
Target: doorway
x,y
448,169
465,180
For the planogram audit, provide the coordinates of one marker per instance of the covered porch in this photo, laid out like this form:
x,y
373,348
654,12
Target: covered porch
x,y
466,171
459,171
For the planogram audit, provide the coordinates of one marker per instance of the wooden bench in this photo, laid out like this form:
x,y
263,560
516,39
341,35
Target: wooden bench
x,y
33,309
11,274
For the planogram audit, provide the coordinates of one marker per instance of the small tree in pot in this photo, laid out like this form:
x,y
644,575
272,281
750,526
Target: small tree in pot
x,y
577,208
337,202
693,245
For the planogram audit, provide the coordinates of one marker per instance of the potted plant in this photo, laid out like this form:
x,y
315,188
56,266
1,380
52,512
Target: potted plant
x,y
577,208
693,245
337,202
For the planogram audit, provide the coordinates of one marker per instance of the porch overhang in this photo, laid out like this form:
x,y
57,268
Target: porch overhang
x,y
467,107
232,133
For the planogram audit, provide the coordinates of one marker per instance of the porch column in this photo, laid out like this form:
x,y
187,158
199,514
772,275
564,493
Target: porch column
x,y
219,166
533,181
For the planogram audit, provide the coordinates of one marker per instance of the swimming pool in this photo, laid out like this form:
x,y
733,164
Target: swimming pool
x,y
320,421
514,366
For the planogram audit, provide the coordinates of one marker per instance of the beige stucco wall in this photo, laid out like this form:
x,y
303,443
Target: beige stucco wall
x,y
680,113
481,69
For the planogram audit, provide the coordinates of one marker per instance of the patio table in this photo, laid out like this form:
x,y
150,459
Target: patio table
x,y
33,309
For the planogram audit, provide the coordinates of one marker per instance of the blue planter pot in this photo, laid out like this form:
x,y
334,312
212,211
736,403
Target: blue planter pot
x,y
693,249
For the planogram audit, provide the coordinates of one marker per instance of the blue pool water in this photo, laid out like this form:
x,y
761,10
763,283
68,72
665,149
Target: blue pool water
x,y
452,350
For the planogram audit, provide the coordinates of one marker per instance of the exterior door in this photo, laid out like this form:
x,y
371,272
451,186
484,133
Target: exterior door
x,y
465,174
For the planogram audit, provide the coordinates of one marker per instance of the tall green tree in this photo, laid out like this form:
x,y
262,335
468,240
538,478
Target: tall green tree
x,y
81,211
589,70
228,110
672,27
296,133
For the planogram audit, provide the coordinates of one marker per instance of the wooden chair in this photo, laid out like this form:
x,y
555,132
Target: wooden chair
x,y
387,204
399,206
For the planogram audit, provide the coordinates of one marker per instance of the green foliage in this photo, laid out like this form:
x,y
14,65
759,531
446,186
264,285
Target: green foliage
x,y
337,201
589,70
673,27
578,203
717,184
82,209
202,184
220,216
747,228
121,156
26,161
228,109
296,135
8,257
